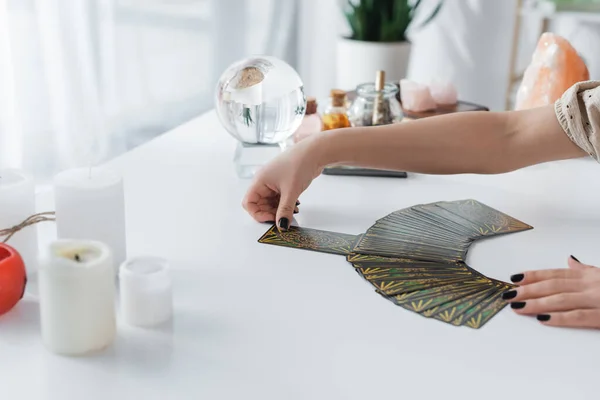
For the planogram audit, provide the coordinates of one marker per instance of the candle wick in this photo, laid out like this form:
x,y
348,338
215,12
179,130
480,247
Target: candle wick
x,y
77,258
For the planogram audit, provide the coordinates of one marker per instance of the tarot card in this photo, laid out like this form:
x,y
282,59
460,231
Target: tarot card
x,y
493,307
357,257
378,271
427,299
374,271
450,311
408,234
392,288
402,274
445,218
416,222
415,253
310,239
489,221
373,242
473,314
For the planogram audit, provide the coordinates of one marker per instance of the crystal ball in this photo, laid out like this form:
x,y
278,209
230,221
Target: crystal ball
x,y
260,100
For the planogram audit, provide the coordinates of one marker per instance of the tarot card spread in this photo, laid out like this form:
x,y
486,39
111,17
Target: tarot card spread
x,y
415,258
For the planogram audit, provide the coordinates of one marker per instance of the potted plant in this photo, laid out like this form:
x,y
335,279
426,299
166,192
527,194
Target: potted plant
x,y
378,39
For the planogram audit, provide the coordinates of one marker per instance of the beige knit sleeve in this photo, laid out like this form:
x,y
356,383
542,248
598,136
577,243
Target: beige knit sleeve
x,y
578,111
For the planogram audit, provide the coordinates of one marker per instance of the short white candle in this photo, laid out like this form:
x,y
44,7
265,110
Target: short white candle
x,y
91,205
17,203
145,291
77,297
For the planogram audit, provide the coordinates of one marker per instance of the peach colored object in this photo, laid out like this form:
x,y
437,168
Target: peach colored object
x,y
415,96
555,67
443,92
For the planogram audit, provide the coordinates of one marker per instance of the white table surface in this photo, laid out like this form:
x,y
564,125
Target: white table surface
x,y
263,322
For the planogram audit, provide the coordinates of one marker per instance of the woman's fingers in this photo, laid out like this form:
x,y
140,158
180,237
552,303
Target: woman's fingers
x,y
572,319
559,297
554,303
285,210
263,216
261,202
544,288
528,277
574,263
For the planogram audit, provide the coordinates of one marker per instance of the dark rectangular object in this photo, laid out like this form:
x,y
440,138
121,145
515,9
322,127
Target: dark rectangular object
x,y
352,171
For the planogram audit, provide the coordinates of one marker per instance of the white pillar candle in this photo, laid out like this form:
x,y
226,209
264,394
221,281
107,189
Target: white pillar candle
x,y
91,205
77,297
17,203
145,291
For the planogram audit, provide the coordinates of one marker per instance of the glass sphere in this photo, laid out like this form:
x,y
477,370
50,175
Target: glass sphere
x,y
260,100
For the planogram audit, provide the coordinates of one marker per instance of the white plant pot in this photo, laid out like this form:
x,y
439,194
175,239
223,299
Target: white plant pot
x,y
358,62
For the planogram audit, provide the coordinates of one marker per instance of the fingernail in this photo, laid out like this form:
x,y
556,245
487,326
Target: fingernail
x,y
269,222
573,257
517,305
284,223
297,202
517,277
543,317
511,294
296,211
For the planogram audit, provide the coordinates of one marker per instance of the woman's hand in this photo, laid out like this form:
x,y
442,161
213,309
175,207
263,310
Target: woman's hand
x,y
559,297
273,195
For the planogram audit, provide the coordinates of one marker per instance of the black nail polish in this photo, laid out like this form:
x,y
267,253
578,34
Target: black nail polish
x,y
297,202
296,211
284,223
517,305
543,317
517,277
511,294
573,257
269,222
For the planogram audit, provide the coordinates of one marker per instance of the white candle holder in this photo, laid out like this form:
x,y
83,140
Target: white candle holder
x,y
77,297
146,291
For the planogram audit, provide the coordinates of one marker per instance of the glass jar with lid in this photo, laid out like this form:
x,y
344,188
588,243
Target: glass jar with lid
x,y
375,107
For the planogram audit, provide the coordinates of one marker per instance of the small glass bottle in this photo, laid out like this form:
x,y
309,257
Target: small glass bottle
x,y
335,115
311,123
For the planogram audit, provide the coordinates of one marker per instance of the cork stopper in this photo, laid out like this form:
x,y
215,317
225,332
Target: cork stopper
x,y
338,98
380,81
311,105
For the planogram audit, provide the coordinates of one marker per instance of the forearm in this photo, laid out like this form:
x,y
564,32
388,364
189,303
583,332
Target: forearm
x,y
475,142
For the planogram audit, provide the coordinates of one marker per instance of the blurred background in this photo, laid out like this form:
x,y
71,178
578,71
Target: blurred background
x,y
82,81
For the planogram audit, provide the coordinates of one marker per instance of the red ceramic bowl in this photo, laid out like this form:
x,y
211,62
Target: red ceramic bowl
x,y
12,278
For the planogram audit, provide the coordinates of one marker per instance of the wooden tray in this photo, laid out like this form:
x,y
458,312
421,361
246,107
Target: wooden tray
x,y
461,106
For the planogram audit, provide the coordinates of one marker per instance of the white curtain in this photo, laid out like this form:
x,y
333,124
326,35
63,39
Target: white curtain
x,y
82,81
